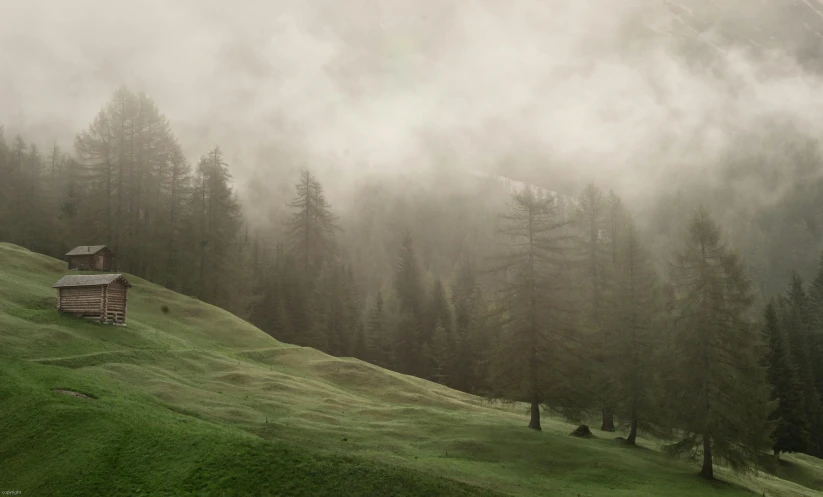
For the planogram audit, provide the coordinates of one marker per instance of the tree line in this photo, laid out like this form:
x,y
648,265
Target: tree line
x,y
560,306
574,318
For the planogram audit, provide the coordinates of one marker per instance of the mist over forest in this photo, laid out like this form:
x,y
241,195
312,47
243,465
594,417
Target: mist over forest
x,y
439,187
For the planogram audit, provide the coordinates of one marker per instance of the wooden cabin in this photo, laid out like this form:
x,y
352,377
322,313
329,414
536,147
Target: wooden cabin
x,y
100,297
92,258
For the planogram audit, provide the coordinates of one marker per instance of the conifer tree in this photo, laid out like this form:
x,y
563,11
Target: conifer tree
x,y
438,324
596,260
815,346
790,430
441,351
217,224
472,345
529,361
636,326
312,225
796,320
378,345
408,286
719,397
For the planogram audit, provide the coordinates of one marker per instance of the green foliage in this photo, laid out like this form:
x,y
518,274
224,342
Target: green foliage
x,y
635,340
198,402
312,225
531,362
791,433
721,402
411,329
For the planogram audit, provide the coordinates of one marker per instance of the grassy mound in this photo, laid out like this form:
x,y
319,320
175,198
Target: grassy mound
x,y
196,401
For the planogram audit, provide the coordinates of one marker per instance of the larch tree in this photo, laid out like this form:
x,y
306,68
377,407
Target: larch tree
x,y
528,366
471,342
594,250
636,322
720,399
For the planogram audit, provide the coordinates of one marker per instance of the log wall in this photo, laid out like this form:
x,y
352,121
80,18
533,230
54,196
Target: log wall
x,y
84,300
116,303
103,303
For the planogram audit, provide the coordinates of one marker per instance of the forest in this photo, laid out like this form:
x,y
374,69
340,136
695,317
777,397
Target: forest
x,y
688,319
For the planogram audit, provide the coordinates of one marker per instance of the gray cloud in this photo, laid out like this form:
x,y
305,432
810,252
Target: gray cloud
x,y
633,94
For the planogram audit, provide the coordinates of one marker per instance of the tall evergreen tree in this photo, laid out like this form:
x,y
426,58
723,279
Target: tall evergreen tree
x,y
438,325
790,431
721,402
312,225
815,346
378,342
796,319
411,295
217,225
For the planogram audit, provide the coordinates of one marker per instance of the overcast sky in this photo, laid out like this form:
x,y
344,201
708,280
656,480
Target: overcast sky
x,y
598,89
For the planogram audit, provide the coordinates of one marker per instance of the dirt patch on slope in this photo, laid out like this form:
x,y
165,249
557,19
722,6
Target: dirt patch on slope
x,y
72,392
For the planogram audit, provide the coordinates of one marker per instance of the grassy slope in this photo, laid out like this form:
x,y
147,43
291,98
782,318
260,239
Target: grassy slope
x,y
198,401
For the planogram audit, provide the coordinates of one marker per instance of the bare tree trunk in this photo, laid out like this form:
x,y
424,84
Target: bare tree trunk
x,y
608,420
707,471
534,422
632,440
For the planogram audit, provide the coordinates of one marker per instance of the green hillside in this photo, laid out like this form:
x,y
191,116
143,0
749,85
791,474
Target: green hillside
x,y
196,401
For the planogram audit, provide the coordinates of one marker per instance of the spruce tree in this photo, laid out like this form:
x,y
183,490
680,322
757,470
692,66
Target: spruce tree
x,y
217,224
790,426
816,352
378,344
472,345
796,320
411,295
438,326
312,225
719,394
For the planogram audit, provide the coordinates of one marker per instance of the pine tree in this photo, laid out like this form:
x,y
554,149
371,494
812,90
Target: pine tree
x,y
721,401
529,361
790,430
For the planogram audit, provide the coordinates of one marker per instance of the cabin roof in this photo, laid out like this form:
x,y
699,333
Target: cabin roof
x,y
89,280
86,250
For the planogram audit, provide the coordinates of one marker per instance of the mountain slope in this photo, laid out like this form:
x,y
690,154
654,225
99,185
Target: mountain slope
x,y
197,401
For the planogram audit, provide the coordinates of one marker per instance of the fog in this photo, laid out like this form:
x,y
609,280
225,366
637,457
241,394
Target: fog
x,y
635,94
